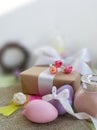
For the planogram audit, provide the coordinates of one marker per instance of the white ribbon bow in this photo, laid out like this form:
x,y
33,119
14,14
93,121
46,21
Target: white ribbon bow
x,y
62,97
48,55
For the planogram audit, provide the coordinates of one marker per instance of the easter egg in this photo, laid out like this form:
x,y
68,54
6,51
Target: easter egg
x,y
33,97
40,111
57,104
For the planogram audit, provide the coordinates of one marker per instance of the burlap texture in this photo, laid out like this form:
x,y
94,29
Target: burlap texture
x,y
18,122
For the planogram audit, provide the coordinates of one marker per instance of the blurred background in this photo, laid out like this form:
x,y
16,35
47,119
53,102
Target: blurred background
x,y
37,22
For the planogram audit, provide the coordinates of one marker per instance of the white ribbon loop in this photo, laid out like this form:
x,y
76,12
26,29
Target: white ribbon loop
x,y
64,94
48,55
62,97
54,92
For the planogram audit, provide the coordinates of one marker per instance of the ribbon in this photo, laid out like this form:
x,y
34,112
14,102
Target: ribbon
x,y
9,109
63,94
62,98
48,55
45,82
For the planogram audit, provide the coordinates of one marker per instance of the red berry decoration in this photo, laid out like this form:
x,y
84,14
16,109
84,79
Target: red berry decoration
x,y
68,69
58,63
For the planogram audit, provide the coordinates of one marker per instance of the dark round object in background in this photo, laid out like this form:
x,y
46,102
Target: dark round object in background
x,y
13,56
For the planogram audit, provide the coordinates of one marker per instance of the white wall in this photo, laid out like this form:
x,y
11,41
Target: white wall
x,y
37,23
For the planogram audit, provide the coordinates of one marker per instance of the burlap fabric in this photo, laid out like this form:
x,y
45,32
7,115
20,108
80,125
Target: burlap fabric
x,y
18,122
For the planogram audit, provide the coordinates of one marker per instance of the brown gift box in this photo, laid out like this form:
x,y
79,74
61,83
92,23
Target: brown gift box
x,y
29,79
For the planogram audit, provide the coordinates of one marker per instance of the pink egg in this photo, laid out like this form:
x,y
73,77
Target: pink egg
x,y
40,111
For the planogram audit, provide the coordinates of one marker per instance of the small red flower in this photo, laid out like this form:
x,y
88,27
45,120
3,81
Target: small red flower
x,y
68,69
58,63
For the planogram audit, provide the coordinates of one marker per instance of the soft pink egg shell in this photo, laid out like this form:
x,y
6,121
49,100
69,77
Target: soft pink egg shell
x,y
40,111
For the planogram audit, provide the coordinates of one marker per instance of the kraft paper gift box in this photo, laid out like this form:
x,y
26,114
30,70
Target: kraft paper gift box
x,y
30,80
